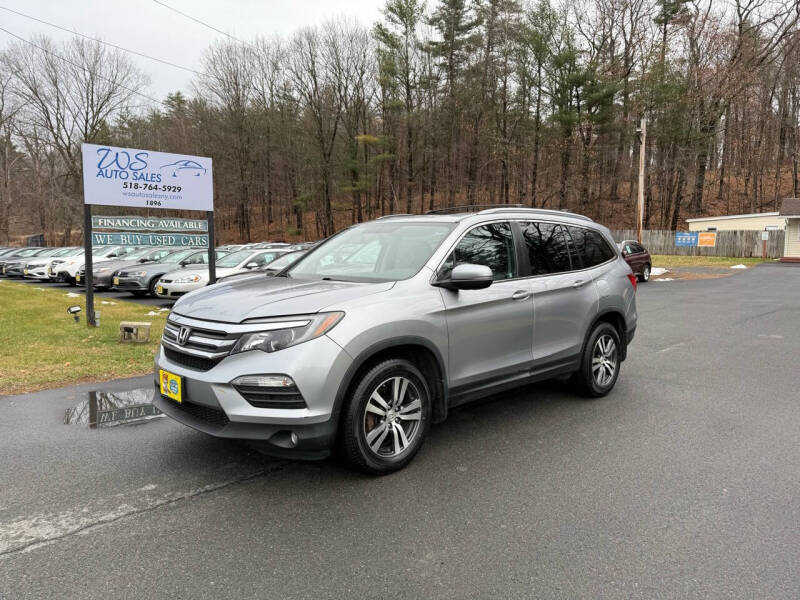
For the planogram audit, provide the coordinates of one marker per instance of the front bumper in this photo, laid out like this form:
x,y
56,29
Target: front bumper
x,y
175,290
212,405
130,284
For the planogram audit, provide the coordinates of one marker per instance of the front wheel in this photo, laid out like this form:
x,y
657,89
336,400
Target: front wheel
x,y
600,362
386,418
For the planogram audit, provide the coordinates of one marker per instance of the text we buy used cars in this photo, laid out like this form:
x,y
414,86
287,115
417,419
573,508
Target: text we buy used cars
x,y
375,333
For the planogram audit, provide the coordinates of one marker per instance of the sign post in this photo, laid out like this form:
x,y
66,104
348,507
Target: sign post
x,y
143,179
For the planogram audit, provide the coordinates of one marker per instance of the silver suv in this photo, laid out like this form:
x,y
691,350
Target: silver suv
x,y
377,332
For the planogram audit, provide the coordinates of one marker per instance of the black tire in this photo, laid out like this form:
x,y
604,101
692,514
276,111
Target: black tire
x,y
359,423
644,276
151,287
587,379
138,294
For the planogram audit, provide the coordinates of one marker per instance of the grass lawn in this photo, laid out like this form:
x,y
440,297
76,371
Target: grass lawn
x,y
41,346
669,260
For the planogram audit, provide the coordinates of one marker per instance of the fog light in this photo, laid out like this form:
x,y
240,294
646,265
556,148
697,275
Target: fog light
x,y
293,439
267,381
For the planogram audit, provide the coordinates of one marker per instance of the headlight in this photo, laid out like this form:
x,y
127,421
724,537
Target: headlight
x,y
56,262
187,279
137,273
296,331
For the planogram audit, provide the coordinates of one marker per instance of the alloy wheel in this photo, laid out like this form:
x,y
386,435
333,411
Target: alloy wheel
x,y
392,417
604,360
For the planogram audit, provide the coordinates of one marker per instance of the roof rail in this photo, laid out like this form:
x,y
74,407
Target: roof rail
x,y
396,215
546,211
470,208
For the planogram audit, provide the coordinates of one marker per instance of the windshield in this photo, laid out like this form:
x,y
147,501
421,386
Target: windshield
x,y
285,260
179,255
141,252
376,251
233,259
29,252
63,252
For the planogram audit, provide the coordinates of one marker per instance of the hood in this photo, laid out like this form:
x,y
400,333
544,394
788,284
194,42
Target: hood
x,y
117,263
242,299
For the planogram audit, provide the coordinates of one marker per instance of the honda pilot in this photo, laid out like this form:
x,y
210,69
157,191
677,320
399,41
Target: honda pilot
x,y
376,333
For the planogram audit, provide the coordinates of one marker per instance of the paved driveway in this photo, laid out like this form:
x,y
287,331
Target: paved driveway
x,y
685,482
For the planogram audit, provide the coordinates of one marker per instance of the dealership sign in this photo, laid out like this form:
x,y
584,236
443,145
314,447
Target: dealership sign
x,y
133,238
146,179
149,224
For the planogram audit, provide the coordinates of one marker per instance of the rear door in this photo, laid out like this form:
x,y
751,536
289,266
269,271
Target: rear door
x,y
563,294
490,330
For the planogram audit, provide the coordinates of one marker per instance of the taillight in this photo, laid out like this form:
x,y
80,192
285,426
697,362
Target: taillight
x,y
633,280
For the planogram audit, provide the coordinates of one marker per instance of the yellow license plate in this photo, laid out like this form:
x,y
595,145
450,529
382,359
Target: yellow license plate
x,y
160,289
25,271
171,385
116,280
77,278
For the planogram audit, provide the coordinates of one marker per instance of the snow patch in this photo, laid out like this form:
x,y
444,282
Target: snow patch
x,y
656,271
106,302
665,279
73,295
738,267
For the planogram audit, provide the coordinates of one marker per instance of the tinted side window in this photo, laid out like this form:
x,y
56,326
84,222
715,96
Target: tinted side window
x,y
491,245
547,247
590,245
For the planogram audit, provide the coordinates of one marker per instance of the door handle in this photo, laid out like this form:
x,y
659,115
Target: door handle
x,y
520,295
579,283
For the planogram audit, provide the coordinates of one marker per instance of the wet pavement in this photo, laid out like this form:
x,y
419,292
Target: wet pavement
x,y
682,483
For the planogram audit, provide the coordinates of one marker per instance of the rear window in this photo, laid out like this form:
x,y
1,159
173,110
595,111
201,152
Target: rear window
x,y
546,246
590,246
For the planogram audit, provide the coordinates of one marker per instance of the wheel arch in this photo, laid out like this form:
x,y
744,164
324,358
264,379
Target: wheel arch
x,y
425,356
617,320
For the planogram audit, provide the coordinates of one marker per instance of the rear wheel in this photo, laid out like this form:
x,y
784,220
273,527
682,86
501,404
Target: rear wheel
x,y
600,362
386,418
645,274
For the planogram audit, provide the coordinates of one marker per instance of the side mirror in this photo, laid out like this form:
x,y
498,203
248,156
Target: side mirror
x,y
251,265
624,254
468,277
183,263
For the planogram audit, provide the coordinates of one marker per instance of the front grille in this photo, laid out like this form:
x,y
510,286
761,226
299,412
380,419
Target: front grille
x,y
261,397
202,349
165,280
206,414
198,363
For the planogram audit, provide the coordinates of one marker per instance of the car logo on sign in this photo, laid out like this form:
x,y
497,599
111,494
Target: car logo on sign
x,y
183,335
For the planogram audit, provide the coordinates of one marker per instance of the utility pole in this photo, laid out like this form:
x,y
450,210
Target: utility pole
x,y
640,202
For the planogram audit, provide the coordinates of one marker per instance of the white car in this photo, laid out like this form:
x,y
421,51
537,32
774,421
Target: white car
x,y
41,268
180,282
65,269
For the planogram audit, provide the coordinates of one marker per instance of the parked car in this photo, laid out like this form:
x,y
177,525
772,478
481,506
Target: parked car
x,y
268,270
17,254
103,272
180,282
141,280
638,258
66,269
39,267
15,267
375,333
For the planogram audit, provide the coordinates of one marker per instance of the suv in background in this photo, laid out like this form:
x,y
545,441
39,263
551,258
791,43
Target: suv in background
x,y
376,333
638,258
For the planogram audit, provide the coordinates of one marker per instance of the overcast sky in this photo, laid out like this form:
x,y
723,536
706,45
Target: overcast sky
x,y
147,27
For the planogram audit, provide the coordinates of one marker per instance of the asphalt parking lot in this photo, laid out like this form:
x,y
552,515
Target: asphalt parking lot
x,y
683,483
103,295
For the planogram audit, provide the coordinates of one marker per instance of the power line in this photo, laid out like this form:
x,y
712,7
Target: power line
x,y
76,65
165,62
203,23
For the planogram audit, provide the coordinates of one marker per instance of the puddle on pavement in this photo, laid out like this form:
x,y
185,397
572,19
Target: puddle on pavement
x,y
110,409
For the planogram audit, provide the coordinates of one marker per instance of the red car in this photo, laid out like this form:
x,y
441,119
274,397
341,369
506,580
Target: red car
x,y
637,257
